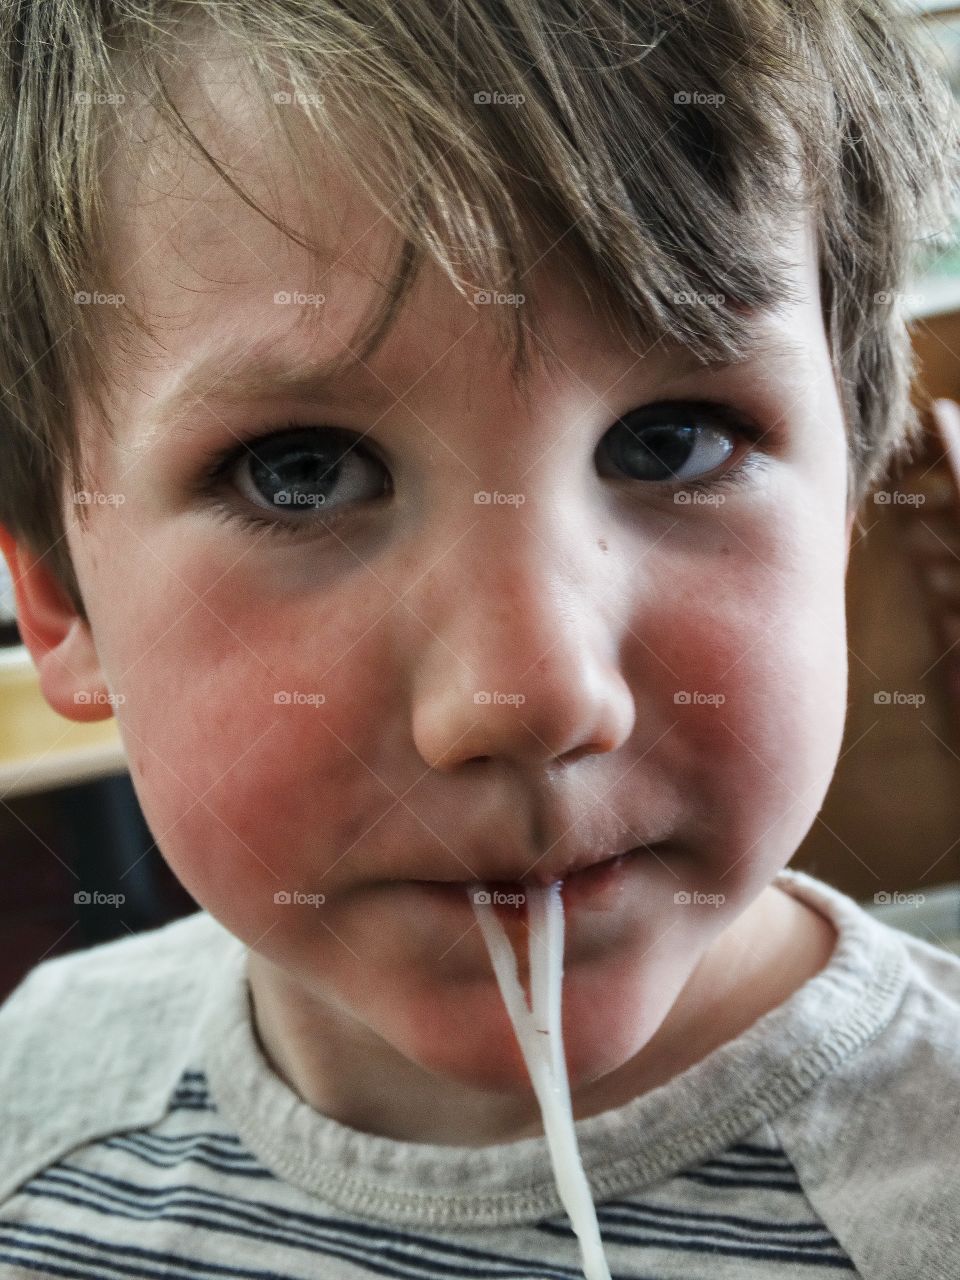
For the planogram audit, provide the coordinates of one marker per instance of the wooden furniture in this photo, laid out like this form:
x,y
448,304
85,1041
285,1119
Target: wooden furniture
x,y
891,818
40,749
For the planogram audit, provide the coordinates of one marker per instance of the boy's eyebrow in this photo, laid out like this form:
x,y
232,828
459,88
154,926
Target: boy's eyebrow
x,y
239,373
236,373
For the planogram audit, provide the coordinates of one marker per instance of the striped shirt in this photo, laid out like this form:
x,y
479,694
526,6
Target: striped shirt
x,y
147,1136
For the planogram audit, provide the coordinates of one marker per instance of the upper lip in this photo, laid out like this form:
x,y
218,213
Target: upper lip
x,y
542,869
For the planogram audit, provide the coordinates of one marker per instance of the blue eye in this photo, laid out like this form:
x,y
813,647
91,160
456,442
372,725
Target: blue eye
x,y
295,476
306,471
675,443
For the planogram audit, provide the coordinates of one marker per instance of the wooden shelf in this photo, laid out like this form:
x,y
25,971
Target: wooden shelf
x,y
41,750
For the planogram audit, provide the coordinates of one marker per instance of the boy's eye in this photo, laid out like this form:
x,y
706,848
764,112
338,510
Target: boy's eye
x,y
307,472
673,443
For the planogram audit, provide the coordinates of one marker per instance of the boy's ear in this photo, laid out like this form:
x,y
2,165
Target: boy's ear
x,y
59,640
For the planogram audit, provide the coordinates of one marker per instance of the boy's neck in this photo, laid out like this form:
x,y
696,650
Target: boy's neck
x,y
342,1069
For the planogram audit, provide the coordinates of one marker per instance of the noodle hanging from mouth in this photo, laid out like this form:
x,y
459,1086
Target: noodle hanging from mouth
x,y
543,1053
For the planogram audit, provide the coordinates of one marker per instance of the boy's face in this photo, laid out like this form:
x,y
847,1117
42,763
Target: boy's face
x,y
300,711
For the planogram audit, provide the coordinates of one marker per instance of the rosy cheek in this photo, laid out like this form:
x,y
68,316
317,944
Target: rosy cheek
x,y
253,751
759,667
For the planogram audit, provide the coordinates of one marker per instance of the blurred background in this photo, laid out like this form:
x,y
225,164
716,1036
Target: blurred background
x,y
80,865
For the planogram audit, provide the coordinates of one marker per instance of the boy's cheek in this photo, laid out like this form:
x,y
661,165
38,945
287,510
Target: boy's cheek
x,y
756,765
257,759
255,737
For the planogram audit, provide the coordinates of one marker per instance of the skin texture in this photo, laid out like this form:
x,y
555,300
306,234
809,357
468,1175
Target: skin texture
x,y
597,599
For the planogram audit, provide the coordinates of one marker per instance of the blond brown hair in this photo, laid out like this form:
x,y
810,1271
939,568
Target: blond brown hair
x,y
654,147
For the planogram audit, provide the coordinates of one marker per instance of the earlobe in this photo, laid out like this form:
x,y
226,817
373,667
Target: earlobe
x,y
59,640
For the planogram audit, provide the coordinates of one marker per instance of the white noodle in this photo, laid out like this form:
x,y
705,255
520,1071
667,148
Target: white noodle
x,y
543,1054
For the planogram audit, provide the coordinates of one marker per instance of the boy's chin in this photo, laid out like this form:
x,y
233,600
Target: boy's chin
x,y
466,1036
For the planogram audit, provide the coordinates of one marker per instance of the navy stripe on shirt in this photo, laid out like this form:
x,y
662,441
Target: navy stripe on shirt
x,y
361,1243
238,1212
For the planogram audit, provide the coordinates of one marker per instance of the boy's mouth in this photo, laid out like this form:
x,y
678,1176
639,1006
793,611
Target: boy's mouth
x,y
593,881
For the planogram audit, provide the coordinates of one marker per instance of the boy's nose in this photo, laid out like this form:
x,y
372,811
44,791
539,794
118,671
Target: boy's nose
x,y
517,664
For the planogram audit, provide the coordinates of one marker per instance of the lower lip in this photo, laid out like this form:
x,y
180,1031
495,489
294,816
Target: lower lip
x,y
595,886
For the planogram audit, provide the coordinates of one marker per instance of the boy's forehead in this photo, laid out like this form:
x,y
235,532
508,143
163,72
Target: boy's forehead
x,y
233,300
243,348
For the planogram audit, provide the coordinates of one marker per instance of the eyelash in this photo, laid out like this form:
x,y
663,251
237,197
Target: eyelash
x,y
215,468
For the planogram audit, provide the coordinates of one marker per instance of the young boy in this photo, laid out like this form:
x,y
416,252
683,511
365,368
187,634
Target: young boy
x,y
516,618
